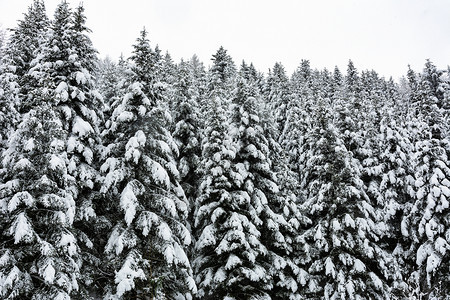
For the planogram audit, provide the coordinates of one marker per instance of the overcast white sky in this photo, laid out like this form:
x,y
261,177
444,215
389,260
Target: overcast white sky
x,y
385,35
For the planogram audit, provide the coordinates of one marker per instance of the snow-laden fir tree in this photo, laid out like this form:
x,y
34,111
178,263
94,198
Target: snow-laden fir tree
x,y
187,131
110,80
39,256
65,66
387,170
277,95
146,206
274,214
228,251
342,255
221,75
23,45
2,43
17,55
428,222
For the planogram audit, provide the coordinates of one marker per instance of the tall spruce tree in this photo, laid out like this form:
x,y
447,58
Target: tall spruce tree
x,y
187,131
341,251
22,46
428,221
275,215
40,254
228,249
277,94
65,66
145,248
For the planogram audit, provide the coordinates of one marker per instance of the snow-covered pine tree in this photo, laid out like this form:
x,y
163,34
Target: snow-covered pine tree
x,y
278,95
23,46
65,66
110,80
228,248
341,249
39,256
221,75
275,214
16,58
428,221
387,170
187,131
147,208
292,137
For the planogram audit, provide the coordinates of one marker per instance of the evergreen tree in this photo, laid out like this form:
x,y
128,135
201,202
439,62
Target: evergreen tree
x,y
147,210
110,80
40,256
24,43
275,215
221,74
65,66
16,58
2,43
387,171
186,132
277,95
341,251
228,248
428,221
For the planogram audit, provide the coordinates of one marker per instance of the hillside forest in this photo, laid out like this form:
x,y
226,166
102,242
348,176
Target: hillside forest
x,y
146,178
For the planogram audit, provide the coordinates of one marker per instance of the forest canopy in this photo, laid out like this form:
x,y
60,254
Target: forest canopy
x,y
146,178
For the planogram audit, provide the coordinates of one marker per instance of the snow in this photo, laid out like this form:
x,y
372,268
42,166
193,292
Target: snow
x,y
446,182
169,254
29,145
56,163
69,241
220,275
115,241
232,262
49,273
164,147
20,197
128,203
147,220
9,281
441,246
207,237
164,232
180,255
81,127
433,262
61,91
126,275
125,116
169,206
62,86
430,229
335,225
23,163
318,235
71,144
21,229
329,268
158,173
80,77
359,266
88,155
350,288
376,280
445,190
422,253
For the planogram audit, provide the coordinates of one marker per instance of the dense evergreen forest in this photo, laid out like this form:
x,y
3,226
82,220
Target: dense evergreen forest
x,y
150,179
